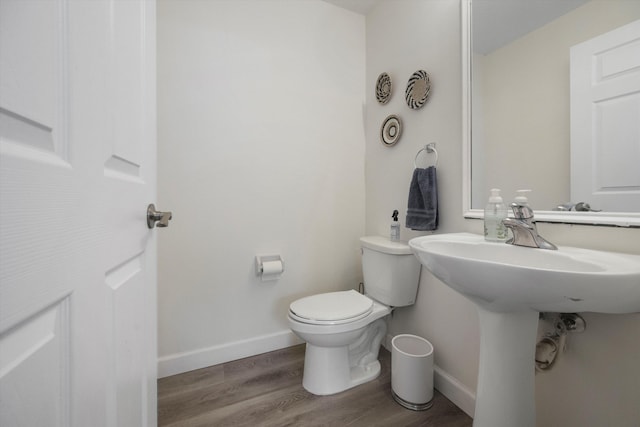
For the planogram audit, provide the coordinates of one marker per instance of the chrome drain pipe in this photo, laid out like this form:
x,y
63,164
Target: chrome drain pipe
x,y
549,348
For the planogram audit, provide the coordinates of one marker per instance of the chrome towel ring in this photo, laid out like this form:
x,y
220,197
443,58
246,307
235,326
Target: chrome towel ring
x,y
429,148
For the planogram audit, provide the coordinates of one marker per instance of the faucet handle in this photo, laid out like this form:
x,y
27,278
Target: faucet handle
x,y
521,211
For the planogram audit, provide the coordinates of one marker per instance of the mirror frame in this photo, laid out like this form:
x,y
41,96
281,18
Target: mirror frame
x,y
619,219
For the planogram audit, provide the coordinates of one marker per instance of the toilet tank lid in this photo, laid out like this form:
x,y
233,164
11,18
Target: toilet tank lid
x,y
384,245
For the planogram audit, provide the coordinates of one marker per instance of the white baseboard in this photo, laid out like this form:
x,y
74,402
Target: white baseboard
x,y
188,361
454,390
448,385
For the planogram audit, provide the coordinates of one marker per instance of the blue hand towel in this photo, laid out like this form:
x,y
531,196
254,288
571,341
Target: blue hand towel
x,y
422,210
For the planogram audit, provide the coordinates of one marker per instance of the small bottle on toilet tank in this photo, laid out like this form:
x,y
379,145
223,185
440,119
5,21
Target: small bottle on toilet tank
x,y
395,227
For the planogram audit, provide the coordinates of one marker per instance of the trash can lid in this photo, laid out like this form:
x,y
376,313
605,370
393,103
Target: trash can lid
x,y
412,345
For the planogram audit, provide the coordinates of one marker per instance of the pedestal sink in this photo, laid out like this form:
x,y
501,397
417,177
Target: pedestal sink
x,y
510,285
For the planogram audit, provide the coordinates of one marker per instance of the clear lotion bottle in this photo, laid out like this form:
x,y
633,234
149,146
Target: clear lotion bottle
x,y
494,213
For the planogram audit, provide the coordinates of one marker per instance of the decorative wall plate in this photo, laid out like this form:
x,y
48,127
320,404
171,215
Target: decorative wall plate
x,y
418,88
383,88
391,130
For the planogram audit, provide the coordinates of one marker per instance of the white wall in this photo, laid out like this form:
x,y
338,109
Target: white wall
x,y
596,381
403,37
261,150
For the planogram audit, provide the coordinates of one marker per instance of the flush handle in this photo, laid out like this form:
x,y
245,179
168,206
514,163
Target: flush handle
x,y
154,217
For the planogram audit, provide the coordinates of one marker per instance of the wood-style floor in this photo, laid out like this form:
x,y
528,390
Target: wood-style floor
x,y
266,390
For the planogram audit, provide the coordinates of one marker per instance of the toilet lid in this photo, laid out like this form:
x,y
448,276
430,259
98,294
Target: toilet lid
x,y
332,306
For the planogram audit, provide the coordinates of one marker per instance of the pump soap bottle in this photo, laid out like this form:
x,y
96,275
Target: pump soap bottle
x,y
494,213
521,197
395,227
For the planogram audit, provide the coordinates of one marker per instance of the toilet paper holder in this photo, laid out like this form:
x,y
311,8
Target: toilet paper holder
x,y
261,259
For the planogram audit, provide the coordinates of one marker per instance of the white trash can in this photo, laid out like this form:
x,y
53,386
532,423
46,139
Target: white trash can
x,y
412,371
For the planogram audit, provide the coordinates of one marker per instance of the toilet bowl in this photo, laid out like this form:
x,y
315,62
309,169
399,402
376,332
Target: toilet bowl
x,y
341,352
343,330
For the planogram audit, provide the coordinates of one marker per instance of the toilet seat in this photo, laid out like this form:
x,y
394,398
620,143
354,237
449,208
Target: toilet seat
x,y
332,308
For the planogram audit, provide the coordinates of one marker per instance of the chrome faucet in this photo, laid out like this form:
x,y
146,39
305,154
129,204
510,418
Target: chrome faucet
x,y
523,227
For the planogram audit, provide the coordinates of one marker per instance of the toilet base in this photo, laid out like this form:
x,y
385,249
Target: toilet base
x,y
327,370
361,375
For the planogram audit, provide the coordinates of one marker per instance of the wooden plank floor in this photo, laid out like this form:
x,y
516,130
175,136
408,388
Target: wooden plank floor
x,y
266,390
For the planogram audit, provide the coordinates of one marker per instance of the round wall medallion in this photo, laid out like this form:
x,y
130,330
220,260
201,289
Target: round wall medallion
x,y
391,130
383,88
418,88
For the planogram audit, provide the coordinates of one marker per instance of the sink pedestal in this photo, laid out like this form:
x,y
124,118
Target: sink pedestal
x,y
506,377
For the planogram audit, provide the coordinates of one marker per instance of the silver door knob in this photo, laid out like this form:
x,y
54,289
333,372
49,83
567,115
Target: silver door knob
x,y
154,217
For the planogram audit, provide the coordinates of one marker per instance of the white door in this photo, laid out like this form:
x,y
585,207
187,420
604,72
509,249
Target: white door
x,y
77,261
605,120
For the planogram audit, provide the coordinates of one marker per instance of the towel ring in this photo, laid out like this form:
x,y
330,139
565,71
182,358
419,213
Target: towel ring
x,y
429,148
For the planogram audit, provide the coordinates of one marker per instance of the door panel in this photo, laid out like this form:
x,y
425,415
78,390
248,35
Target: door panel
x,y
34,367
605,120
77,170
126,386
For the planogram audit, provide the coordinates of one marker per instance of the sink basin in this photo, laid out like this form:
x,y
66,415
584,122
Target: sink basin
x,y
504,277
509,286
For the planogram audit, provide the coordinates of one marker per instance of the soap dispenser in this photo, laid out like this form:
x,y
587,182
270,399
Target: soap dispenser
x,y
521,197
494,213
395,227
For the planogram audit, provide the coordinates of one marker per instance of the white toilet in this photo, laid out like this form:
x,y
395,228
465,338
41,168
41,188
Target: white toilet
x,y
344,330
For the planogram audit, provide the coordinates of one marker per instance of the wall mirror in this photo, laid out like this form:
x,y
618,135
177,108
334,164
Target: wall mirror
x,y
525,115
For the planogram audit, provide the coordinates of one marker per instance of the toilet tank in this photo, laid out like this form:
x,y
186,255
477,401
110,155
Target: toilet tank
x,y
391,271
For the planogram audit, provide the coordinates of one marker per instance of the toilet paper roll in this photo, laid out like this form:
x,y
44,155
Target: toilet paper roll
x,y
272,267
271,270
